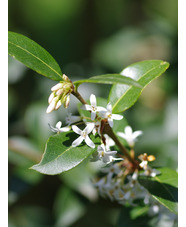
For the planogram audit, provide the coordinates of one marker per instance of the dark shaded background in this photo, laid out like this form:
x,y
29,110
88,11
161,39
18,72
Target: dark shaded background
x,y
86,38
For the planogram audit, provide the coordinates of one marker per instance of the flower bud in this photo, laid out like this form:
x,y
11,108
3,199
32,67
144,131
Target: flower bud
x,y
67,101
59,92
52,95
59,103
57,87
65,78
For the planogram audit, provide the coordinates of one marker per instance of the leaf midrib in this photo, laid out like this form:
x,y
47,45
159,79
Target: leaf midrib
x,y
35,57
56,157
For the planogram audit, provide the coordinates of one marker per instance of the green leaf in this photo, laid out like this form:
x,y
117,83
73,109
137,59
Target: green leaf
x,y
33,56
122,96
60,156
109,79
164,188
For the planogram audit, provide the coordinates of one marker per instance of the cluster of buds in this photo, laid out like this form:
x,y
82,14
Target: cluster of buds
x,y
60,94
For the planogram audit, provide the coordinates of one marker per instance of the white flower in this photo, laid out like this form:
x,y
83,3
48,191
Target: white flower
x,y
93,107
130,136
108,114
104,155
72,119
58,128
83,135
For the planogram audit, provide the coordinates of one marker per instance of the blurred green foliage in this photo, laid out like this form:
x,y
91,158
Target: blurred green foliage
x,y
86,38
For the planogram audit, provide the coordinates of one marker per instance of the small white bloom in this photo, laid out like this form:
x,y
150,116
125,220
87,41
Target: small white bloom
x,y
83,135
104,155
108,114
58,128
93,107
130,136
72,119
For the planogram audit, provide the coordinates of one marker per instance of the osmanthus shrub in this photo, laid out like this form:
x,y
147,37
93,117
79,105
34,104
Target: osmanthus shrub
x,y
127,179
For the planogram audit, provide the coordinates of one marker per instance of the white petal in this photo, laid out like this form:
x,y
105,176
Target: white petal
x,y
103,114
110,121
89,128
100,108
56,87
109,107
76,129
77,141
64,129
122,135
59,124
106,159
93,115
93,100
136,134
111,152
52,128
128,130
117,116
86,107
89,142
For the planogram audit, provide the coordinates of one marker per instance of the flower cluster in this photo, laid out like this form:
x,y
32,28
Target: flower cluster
x,y
122,190
120,182
60,94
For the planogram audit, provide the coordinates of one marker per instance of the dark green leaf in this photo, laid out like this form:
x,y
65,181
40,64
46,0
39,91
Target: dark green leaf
x,y
33,56
60,156
164,187
109,79
122,96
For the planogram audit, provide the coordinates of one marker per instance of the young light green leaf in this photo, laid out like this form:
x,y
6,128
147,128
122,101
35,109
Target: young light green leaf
x,y
109,79
60,156
163,187
33,56
122,96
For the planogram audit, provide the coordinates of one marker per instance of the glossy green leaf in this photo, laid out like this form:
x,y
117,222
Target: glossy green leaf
x,y
163,187
60,156
122,96
109,79
33,56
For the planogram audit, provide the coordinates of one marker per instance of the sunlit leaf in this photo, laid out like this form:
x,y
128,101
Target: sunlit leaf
x,y
60,156
122,96
33,56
